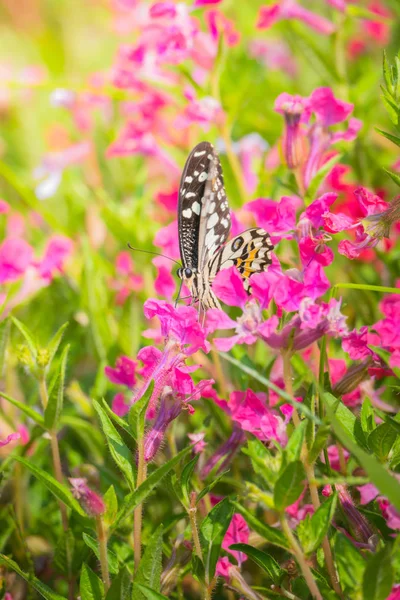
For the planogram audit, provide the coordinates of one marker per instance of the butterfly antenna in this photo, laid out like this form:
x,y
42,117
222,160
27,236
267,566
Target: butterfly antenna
x,y
154,253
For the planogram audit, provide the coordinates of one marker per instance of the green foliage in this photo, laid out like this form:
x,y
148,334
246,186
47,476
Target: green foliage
x,y
90,587
149,571
289,485
212,532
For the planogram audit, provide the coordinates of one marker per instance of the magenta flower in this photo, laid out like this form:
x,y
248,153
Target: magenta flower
x,y
274,54
278,218
164,283
167,239
251,149
290,9
226,451
369,492
395,593
197,441
127,281
219,24
237,533
198,3
118,405
92,503
124,372
16,256
10,438
205,112
58,249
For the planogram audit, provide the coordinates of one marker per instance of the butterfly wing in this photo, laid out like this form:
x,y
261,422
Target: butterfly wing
x,y
250,252
201,195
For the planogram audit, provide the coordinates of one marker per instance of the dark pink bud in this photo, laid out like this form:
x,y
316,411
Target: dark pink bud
x,y
359,525
91,502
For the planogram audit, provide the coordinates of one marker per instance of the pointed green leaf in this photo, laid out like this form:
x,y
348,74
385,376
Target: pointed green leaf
x,y
212,532
117,420
137,413
295,442
381,440
112,559
289,485
30,412
149,571
350,564
27,335
148,593
367,416
135,498
91,587
210,486
186,476
111,502
343,414
389,136
378,576
55,341
37,585
264,462
54,406
263,560
271,534
61,492
320,442
121,586
319,177
118,449
312,530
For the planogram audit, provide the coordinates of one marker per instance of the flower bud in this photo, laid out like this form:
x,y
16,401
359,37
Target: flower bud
x,y
359,525
43,358
355,375
91,502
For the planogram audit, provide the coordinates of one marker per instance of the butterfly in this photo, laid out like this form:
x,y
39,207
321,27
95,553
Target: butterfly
x,y
204,223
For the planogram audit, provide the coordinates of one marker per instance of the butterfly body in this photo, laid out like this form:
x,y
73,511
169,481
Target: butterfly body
x,y
204,224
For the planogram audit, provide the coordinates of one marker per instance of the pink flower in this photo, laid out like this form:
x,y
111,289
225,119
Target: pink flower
x,y
178,324
169,200
164,283
9,438
167,239
328,109
368,492
395,593
237,533
197,441
274,54
57,250
251,149
91,502
4,207
355,344
127,280
205,112
389,513
198,3
124,372
278,218
290,9
218,25
118,405
15,257
226,451
51,168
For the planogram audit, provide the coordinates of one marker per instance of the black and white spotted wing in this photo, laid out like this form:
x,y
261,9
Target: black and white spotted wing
x,y
203,213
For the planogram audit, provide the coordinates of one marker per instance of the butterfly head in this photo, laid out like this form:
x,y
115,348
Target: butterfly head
x,y
186,274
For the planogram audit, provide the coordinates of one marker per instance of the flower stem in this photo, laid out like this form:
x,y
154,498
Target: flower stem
x,y
193,525
137,515
300,558
102,539
309,469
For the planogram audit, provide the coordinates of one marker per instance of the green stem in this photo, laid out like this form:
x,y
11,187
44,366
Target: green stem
x,y
102,539
138,512
300,558
193,525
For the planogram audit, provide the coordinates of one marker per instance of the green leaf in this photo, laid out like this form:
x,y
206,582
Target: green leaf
x,y
295,442
386,483
271,534
118,449
386,72
137,413
121,586
320,442
91,587
186,476
4,335
367,416
111,502
30,412
281,393
112,559
289,485
264,462
343,414
381,440
117,420
148,593
27,336
210,486
61,492
135,498
54,406
378,576
37,585
212,532
389,136
312,530
55,341
149,571
263,560
350,563
385,355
